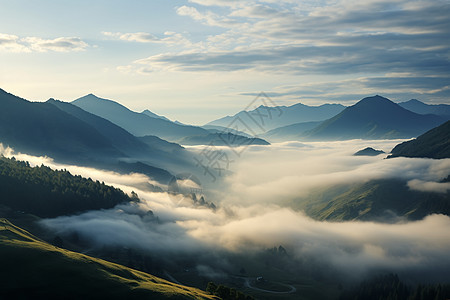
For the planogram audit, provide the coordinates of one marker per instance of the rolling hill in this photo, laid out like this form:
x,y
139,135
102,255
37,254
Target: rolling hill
x,y
34,269
374,118
432,144
279,116
139,124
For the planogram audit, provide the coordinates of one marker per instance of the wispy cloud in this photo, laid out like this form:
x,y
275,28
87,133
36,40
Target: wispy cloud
x,y
170,38
13,43
371,39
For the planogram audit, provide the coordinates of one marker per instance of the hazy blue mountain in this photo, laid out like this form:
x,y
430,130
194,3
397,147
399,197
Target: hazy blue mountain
x,y
292,132
374,118
422,108
222,139
160,144
222,129
153,115
118,136
153,151
369,151
138,124
432,144
43,129
273,117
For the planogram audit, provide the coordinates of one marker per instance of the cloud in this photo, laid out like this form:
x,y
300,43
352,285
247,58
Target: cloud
x,y
429,186
12,43
142,37
207,17
251,216
170,38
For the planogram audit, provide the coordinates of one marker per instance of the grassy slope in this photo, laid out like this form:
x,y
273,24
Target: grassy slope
x,y
373,200
33,268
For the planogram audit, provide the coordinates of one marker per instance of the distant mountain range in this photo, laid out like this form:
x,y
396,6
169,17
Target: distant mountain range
x,y
371,118
374,118
71,135
421,108
290,132
274,117
432,144
139,124
43,129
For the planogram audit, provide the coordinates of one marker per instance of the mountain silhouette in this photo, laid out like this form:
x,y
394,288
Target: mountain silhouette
x,y
432,144
139,124
279,116
419,107
374,118
43,129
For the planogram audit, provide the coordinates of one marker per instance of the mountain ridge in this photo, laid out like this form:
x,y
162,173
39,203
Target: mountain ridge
x,y
374,117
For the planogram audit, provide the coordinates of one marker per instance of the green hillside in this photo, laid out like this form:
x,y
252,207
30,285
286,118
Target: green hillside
x,y
47,193
432,144
374,200
34,269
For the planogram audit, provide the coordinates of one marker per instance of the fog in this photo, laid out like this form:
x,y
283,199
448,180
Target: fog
x,y
251,218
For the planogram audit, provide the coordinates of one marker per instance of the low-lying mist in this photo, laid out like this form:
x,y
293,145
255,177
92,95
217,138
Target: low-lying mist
x,y
250,217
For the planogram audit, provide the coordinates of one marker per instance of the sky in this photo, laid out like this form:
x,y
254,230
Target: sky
x,y
198,60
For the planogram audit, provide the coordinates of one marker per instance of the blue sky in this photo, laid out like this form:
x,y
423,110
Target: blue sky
x,y
198,60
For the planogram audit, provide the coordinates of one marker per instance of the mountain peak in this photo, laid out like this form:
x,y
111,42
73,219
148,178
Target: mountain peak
x,y
376,101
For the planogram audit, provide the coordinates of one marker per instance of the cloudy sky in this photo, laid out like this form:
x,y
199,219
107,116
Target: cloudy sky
x,y
197,60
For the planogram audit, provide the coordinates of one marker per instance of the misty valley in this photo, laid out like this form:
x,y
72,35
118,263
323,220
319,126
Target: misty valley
x,y
274,202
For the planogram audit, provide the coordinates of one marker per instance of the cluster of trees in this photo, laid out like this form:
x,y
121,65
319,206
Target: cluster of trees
x,y
226,293
390,287
48,193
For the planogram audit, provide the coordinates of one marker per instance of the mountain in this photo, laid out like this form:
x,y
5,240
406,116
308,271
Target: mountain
x,y
222,139
273,117
118,137
34,269
421,108
377,200
221,129
153,115
374,118
43,129
369,151
292,132
432,144
139,124
154,151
